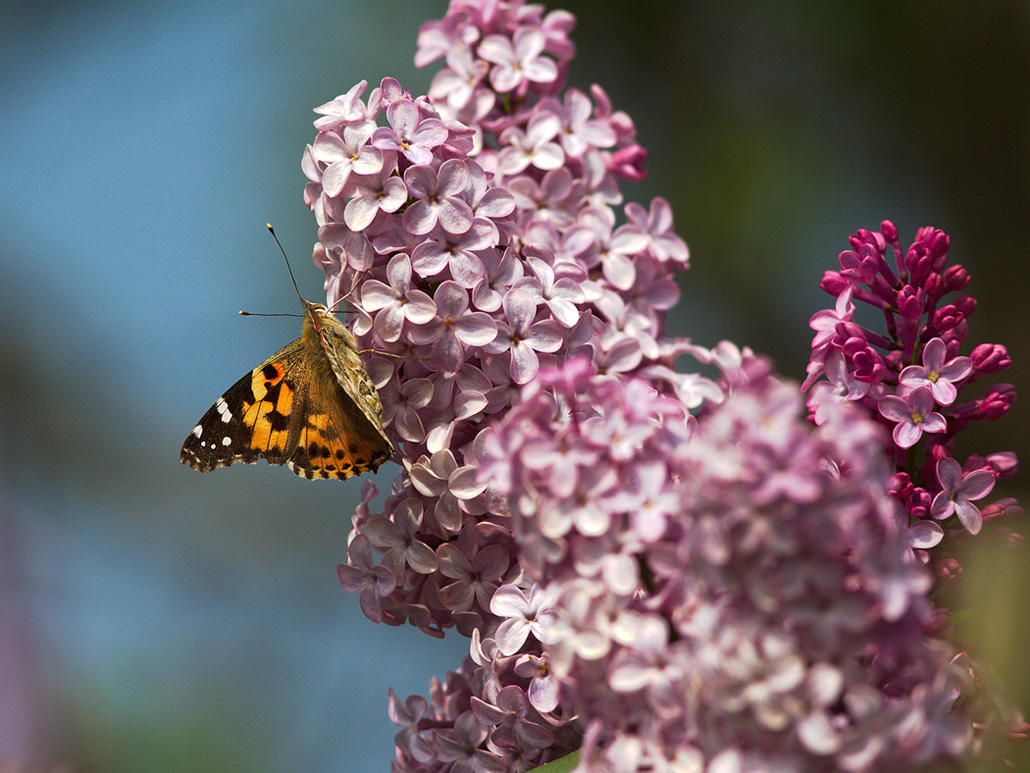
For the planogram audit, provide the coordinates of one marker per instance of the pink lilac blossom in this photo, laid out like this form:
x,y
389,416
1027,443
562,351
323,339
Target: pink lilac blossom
x,y
913,415
659,590
464,290
910,375
756,625
958,492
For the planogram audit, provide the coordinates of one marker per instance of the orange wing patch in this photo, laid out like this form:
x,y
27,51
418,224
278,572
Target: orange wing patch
x,y
268,417
330,446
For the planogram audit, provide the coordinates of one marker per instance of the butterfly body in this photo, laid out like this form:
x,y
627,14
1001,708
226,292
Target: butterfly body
x,y
310,406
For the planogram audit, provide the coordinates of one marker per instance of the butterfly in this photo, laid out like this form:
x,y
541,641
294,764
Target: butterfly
x,y
310,406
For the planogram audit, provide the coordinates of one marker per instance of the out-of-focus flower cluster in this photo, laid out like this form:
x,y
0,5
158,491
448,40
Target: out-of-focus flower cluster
x,y
713,594
475,234
909,379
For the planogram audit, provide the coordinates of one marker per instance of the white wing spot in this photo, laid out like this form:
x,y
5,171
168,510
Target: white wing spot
x,y
197,430
203,444
226,440
223,408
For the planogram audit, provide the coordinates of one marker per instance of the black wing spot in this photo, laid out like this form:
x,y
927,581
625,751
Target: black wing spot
x,y
278,421
270,372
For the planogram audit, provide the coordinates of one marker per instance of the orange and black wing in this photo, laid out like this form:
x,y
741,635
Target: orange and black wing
x,y
336,438
284,413
253,419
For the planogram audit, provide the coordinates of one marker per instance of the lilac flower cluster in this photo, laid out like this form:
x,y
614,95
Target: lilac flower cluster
x,y
474,231
657,580
710,594
910,378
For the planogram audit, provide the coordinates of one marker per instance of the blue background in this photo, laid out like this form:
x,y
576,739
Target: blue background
x,y
155,619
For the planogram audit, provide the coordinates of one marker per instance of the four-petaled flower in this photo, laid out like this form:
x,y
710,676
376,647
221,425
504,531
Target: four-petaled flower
x,y
454,326
522,617
914,414
364,577
474,580
517,59
523,337
397,301
344,155
509,713
456,252
454,487
436,198
936,373
398,541
534,146
958,492
372,194
463,749
410,134
580,133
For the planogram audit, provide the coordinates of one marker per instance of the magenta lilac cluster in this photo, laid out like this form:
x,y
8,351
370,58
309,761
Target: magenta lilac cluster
x,y
909,378
659,570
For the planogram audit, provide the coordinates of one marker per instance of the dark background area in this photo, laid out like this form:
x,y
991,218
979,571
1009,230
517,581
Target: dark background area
x,y
155,619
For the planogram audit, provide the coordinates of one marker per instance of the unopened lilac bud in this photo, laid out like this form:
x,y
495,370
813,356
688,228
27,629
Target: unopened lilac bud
x,y
853,345
919,264
628,163
939,246
946,318
911,303
1006,506
996,401
955,278
1004,463
933,285
833,283
869,366
990,358
901,485
947,568
1018,730
966,304
940,623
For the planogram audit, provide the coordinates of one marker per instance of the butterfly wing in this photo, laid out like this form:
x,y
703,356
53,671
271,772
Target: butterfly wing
x,y
253,418
337,345
335,438
288,412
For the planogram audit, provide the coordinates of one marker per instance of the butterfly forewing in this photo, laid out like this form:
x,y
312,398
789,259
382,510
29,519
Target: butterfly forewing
x,y
252,419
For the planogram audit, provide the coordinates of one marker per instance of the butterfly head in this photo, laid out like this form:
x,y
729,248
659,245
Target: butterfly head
x,y
322,326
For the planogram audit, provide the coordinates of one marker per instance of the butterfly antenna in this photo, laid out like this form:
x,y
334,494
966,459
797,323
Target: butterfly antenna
x,y
288,267
347,295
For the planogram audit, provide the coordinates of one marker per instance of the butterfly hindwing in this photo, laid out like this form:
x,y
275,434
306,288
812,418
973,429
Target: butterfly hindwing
x,y
335,439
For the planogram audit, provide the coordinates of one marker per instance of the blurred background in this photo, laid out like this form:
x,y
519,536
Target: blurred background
x,y
152,618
